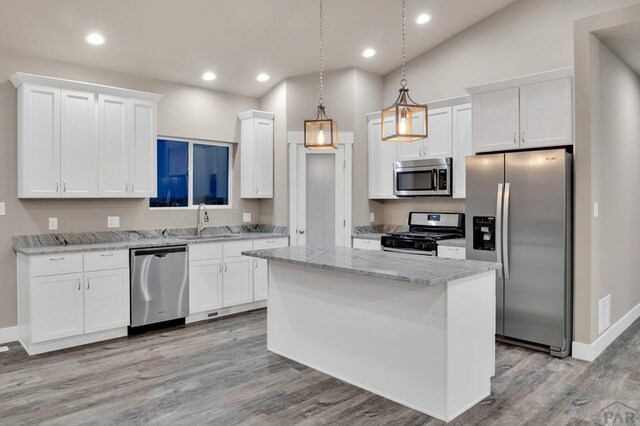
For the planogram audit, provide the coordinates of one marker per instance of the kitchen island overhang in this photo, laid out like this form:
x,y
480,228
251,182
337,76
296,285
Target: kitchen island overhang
x,y
415,330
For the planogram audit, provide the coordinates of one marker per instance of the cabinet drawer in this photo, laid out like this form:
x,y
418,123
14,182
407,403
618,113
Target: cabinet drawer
x,y
205,251
366,244
452,252
235,248
105,260
56,264
270,243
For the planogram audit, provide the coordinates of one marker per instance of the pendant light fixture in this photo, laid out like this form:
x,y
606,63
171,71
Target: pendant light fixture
x,y
408,117
321,132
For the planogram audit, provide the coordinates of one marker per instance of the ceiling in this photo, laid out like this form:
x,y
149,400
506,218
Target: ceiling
x,y
178,40
624,41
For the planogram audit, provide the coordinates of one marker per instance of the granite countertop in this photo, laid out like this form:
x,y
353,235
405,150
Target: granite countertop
x,y
375,232
115,240
393,266
455,242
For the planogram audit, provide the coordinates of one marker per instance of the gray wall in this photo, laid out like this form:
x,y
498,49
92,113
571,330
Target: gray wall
x,y
183,111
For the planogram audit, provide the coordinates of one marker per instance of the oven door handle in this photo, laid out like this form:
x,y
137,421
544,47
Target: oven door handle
x,y
409,251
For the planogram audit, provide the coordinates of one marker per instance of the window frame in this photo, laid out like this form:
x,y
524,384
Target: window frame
x,y
190,142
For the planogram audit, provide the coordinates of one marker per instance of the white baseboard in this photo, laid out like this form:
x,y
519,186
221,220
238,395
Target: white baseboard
x,y
590,352
9,334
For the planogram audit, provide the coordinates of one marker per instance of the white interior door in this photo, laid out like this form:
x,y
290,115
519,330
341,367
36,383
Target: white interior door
x,y
320,199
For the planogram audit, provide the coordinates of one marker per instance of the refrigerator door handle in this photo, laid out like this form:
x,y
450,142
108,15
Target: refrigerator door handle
x,y
505,232
499,228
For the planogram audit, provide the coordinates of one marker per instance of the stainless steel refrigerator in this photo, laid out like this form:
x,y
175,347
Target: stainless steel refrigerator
x,y
519,210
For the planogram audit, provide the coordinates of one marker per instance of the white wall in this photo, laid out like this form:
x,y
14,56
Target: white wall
x,y
616,177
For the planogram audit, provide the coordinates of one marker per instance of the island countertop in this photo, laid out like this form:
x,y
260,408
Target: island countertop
x,y
394,266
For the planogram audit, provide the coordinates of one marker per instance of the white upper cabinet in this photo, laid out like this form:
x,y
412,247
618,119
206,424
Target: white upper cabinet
x,y
38,142
82,140
462,147
382,155
256,154
113,146
546,114
439,142
522,113
78,144
496,122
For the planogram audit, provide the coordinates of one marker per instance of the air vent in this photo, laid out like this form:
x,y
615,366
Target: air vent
x,y
212,314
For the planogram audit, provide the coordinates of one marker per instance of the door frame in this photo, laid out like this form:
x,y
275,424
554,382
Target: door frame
x,y
295,139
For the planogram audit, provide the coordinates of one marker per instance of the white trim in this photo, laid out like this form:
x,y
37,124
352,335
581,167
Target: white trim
x,y
20,78
8,334
590,352
223,312
348,195
254,113
522,80
297,138
190,142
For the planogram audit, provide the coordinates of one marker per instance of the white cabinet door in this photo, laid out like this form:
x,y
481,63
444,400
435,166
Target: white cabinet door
x,y
260,279
142,150
439,142
382,155
106,300
496,122
113,146
39,136
263,158
78,145
205,285
410,150
546,114
452,252
462,147
237,281
361,243
57,308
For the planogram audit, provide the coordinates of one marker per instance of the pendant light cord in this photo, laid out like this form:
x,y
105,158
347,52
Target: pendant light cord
x,y
403,82
321,58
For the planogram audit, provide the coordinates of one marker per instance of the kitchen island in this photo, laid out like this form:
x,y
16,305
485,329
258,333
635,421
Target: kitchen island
x,y
413,329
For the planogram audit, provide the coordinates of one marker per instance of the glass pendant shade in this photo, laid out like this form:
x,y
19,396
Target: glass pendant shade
x,y
405,120
321,132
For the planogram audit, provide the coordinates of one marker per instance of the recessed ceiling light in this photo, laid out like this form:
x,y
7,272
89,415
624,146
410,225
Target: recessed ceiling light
x,y
208,76
423,19
368,53
95,38
263,77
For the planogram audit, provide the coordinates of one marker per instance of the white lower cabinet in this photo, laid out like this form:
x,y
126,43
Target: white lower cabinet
x,y
237,282
361,243
452,252
57,307
205,285
72,299
106,300
260,279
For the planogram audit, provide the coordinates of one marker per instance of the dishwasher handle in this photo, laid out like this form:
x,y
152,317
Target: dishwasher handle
x,y
159,251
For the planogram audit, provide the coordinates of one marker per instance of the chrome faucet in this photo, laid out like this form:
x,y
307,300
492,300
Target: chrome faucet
x,y
200,224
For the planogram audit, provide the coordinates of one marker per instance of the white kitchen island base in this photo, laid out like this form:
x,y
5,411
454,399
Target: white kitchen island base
x,y
429,347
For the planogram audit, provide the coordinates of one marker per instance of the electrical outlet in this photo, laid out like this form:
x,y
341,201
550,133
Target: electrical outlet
x,y
246,217
596,211
604,314
372,217
113,221
53,223
2,210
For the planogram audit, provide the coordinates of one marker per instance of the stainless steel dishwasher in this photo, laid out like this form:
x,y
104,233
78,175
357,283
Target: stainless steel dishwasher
x,y
159,284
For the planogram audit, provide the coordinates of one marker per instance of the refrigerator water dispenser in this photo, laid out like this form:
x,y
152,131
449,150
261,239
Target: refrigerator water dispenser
x,y
484,233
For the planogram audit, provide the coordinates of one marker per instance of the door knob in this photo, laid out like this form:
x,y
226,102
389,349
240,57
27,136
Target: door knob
x,y
300,231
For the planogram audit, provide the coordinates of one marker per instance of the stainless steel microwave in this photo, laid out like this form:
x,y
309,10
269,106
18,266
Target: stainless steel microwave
x,y
419,178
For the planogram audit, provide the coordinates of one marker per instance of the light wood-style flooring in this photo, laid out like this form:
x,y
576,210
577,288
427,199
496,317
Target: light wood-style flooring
x,y
219,372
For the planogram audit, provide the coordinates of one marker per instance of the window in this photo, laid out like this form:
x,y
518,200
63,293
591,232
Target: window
x,y
193,172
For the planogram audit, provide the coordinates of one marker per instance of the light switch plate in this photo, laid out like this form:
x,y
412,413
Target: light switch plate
x,y
53,223
596,211
113,221
2,211
372,217
246,217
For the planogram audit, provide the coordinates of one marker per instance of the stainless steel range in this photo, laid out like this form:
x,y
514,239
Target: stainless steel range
x,y
425,230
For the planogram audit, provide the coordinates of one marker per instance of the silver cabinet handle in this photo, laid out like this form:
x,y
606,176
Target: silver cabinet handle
x,y
225,266
79,283
131,186
498,230
220,269
107,255
515,135
505,232
126,187
522,137
301,231
256,189
57,187
255,263
88,283
55,259
64,186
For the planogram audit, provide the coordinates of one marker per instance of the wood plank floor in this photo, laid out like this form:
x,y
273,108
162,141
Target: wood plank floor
x,y
219,372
